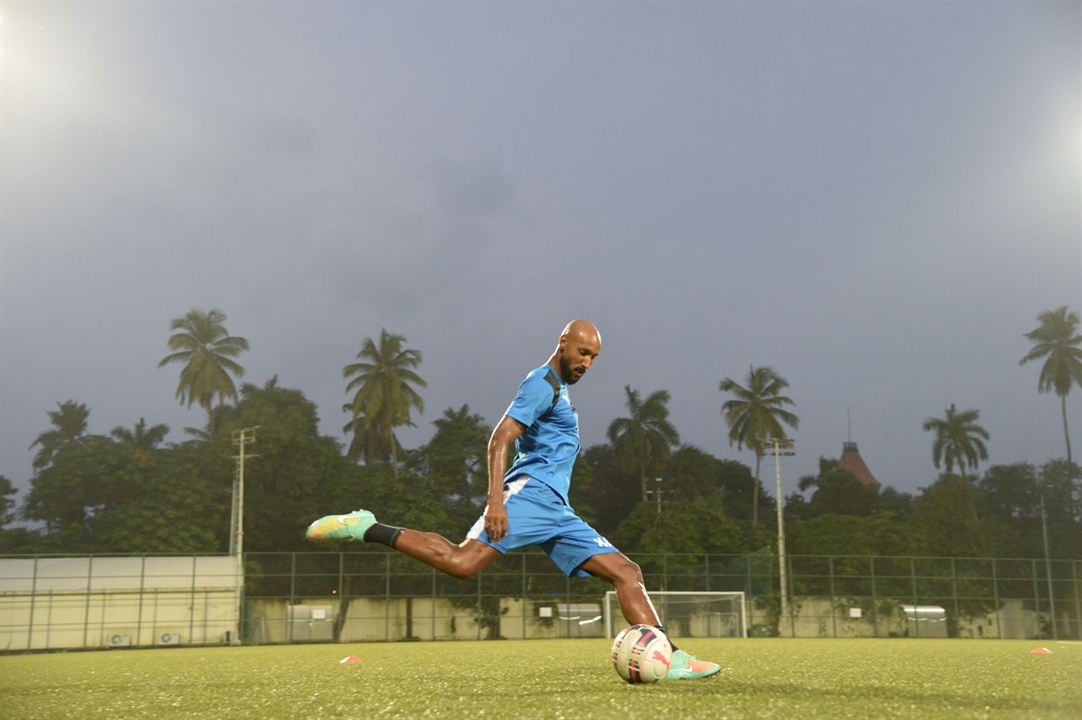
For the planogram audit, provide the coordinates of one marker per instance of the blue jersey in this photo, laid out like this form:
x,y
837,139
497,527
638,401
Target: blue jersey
x,y
547,449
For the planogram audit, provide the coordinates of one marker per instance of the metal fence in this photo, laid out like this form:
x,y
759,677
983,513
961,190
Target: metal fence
x,y
382,595
379,595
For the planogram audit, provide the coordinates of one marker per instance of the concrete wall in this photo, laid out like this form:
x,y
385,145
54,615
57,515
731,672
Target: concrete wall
x,y
312,620
819,617
373,619
524,619
51,603
99,620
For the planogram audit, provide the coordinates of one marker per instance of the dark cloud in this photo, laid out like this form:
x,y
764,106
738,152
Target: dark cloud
x,y
875,199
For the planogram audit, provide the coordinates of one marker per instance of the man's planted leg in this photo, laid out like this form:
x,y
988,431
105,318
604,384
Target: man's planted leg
x,y
635,604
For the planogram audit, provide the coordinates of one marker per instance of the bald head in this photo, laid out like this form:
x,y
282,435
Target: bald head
x,y
583,329
579,346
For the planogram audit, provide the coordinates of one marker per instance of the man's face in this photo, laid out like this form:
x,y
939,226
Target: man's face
x,y
577,354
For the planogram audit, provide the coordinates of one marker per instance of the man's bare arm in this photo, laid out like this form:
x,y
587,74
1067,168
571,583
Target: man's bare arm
x,y
506,432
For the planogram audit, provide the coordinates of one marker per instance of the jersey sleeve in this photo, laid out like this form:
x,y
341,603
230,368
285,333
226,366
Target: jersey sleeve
x,y
533,400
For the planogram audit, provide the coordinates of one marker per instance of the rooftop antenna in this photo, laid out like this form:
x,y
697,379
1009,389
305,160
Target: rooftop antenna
x,y
848,425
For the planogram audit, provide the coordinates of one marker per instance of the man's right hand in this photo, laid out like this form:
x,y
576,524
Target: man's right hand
x,y
496,520
503,436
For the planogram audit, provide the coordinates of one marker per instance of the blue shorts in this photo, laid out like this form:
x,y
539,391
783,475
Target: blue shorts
x,y
537,516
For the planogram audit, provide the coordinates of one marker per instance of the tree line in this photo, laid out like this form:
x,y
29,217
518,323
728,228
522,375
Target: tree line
x,y
129,491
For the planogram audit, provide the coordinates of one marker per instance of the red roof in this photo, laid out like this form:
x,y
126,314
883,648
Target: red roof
x,y
854,463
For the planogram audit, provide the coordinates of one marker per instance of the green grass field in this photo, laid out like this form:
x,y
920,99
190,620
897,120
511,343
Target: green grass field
x,y
550,679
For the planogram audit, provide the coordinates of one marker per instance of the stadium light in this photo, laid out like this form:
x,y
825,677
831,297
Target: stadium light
x,y
657,492
780,447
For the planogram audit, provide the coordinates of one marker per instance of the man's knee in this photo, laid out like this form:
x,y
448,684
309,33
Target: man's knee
x,y
467,561
463,568
614,567
635,572
627,571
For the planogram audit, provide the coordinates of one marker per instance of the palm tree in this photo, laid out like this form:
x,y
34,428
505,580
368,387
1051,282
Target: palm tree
x,y
69,426
206,348
1058,341
959,440
755,415
644,439
384,383
140,437
358,428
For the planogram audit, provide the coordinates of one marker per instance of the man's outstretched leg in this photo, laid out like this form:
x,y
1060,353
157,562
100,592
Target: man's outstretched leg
x,y
460,561
626,579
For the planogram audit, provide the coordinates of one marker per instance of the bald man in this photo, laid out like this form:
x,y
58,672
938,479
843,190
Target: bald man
x,y
527,504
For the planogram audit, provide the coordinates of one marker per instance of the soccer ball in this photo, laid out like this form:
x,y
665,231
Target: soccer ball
x,y
641,654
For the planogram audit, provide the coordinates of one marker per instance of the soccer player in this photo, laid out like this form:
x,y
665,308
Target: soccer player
x,y
527,504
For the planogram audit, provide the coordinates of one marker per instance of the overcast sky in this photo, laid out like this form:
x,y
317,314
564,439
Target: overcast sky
x,y
876,199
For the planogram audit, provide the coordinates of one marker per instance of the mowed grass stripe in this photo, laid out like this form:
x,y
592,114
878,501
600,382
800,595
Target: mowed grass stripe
x,y
571,679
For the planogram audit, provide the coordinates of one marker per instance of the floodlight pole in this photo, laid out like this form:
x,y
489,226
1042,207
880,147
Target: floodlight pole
x,y
240,439
781,447
1048,568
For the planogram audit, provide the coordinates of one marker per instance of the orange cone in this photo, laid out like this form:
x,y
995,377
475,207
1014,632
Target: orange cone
x,y
1040,651
349,660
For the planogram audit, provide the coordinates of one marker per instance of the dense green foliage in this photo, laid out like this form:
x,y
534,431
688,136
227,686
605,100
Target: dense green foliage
x,y
7,501
68,427
118,494
126,491
643,440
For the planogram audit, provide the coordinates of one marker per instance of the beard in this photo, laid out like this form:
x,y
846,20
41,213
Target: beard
x,y
568,373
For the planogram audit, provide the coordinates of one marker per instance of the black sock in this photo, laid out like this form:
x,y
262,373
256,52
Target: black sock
x,y
666,633
383,534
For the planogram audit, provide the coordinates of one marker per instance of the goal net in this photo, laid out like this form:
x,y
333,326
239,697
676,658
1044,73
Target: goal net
x,y
688,614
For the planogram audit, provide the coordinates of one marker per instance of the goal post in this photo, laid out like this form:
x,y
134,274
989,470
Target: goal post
x,y
688,613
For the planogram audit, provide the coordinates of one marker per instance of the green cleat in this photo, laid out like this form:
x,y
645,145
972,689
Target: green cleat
x,y
686,667
351,526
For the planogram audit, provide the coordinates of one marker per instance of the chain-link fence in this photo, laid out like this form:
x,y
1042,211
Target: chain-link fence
x,y
379,595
